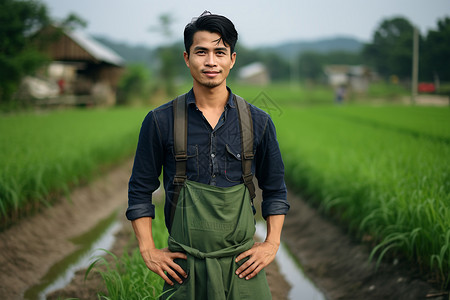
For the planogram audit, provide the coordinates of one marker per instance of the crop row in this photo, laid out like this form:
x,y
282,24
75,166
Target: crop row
x,y
385,184
431,122
43,154
127,276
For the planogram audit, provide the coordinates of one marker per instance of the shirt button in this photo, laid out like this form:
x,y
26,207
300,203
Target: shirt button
x,y
213,155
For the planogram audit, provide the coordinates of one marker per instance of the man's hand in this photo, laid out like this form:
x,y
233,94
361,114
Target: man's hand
x,y
160,260
261,255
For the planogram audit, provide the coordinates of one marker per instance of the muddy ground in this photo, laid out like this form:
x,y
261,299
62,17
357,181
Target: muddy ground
x,y
337,264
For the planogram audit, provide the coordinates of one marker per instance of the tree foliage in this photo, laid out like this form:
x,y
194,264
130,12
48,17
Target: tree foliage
x,y
18,50
391,49
134,85
390,52
435,61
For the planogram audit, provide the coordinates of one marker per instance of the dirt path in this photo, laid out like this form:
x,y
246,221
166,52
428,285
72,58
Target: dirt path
x,y
335,263
339,266
30,248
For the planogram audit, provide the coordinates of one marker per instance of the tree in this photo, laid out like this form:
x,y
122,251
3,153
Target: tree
x,y
435,61
310,65
18,50
390,52
134,85
279,68
166,54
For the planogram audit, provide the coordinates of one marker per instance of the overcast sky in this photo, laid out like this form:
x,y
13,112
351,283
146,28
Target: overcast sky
x,y
258,22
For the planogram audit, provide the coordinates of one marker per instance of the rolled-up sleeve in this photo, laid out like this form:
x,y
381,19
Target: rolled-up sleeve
x,y
269,171
147,166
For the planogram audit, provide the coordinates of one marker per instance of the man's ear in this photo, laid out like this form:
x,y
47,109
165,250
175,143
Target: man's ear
x,y
233,59
186,58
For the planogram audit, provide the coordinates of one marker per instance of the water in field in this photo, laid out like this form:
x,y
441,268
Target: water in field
x,y
60,275
301,286
102,237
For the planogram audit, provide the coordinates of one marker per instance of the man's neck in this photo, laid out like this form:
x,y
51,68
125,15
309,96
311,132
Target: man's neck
x,y
211,98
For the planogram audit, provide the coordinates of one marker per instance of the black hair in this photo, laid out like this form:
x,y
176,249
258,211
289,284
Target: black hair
x,y
212,23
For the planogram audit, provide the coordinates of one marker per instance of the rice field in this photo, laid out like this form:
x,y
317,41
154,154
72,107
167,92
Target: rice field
x,y
45,154
127,277
384,172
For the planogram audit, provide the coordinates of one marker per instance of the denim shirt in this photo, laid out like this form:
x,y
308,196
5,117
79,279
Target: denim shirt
x,y
214,157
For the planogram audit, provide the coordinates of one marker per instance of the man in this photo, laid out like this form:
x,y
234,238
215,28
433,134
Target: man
x,y
209,215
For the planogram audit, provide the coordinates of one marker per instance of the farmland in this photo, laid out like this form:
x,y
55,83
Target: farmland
x,y
381,171
42,155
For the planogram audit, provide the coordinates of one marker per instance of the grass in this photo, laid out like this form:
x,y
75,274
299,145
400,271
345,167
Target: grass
x,y
128,277
386,91
431,122
45,154
380,180
383,171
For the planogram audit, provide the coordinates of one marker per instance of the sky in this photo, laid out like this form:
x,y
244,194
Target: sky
x,y
259,23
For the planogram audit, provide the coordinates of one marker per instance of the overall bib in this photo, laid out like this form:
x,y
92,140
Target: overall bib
x,y
213,225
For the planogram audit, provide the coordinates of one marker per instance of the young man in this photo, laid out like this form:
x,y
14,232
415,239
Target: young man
x,y
209,213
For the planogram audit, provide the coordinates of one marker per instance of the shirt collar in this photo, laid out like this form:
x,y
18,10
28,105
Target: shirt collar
x,y
190,98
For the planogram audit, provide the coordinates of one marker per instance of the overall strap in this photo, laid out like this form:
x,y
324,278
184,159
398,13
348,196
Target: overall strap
x,y
246,124
180,146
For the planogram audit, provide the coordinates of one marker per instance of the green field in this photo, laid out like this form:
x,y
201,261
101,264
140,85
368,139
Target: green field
x,y
45,154
384,172
127,277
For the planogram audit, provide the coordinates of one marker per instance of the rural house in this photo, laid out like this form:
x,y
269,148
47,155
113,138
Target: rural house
x,y
356,78
255,73
82,71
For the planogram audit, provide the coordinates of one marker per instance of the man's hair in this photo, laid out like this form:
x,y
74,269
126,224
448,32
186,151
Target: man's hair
x,y
212,23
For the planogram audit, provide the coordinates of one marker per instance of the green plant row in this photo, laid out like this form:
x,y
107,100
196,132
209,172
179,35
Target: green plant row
x,y
127,277
426,121
389,186
41,154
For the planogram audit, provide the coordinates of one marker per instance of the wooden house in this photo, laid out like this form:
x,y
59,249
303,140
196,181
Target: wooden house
x,y
86,72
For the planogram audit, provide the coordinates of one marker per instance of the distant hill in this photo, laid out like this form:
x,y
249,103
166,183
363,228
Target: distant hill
x,y
146,55
291,49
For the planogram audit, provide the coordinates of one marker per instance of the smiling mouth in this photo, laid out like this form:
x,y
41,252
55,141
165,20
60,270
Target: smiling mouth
x,y
211,73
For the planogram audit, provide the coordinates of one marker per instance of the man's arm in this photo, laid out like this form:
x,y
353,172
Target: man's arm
x,y
270,175
262,254
157,260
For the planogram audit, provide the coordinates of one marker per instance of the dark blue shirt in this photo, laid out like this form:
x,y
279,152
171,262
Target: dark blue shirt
x,y
214,157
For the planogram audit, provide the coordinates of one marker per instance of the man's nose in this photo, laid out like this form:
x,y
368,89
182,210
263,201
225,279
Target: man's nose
x,y
210,60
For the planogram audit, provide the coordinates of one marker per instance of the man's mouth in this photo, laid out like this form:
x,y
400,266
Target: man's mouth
x,y
211,73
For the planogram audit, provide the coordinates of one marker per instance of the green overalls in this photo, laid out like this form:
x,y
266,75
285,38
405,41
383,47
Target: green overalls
x,y
213,225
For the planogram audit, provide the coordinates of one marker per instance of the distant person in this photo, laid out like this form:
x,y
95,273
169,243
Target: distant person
x,y
340,94
209,152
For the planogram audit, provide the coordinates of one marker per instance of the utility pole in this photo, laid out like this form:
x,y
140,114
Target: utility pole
x,y
415,65
294,72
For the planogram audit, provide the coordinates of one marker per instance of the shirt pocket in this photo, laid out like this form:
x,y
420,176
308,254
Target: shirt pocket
x,y
192,167
233,164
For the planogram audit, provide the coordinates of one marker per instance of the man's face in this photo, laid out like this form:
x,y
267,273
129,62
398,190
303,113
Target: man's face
x,y
209,59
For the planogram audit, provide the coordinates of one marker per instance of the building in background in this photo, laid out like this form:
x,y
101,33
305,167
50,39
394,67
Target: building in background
x,y
255,73
354,78
82,71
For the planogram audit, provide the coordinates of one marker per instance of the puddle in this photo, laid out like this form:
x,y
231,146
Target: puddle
x,y
90,243
102,237
301,286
